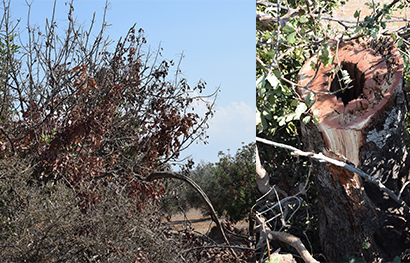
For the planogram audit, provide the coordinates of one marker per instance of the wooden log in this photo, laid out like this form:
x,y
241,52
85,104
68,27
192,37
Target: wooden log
x,y
365,125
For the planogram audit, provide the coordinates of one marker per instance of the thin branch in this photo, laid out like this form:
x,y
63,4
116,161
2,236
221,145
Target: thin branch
x,y
402,189
217,246
386,8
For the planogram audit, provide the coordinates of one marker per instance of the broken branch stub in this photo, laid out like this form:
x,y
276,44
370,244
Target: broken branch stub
x,y
375,69
361,107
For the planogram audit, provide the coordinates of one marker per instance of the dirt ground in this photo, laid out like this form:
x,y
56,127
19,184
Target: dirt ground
x,y
197,222
194,219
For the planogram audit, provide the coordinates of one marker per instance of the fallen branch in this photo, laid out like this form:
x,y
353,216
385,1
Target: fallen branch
x,y
322,158
294,242
160,175
287,238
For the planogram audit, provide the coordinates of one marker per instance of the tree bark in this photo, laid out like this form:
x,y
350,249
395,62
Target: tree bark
x,y
262,177
363,124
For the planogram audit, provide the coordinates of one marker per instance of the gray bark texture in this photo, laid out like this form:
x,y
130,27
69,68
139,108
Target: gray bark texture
x,y
355,217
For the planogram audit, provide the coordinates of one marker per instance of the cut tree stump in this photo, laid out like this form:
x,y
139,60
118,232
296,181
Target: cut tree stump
x,y
363,124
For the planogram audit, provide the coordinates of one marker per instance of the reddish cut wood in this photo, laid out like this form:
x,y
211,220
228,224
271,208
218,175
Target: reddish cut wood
x,y
365,124
345,113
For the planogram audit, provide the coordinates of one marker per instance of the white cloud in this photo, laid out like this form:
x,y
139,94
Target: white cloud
x,y
236,117
231,125
233,120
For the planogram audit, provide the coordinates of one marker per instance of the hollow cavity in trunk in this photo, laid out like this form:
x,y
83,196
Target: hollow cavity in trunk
x,y
344,90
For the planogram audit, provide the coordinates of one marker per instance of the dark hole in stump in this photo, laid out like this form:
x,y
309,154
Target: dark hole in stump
x,y
355,87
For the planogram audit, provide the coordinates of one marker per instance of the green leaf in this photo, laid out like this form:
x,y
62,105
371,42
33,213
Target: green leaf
x,y
356,14
290,117
325,52
365,245
271,53
294,103
291,128
267,115
282,120
273,80
277,73
273,99
264,124
303,20
397,259
306,119
291,38
288,29
313,65
260,82
301,108
273,260
399,42
310,99
260,86
266,36
258,117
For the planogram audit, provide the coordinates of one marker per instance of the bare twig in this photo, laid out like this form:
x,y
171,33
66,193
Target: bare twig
x,y
217,246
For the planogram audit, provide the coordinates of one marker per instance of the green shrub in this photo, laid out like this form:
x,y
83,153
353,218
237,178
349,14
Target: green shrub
x,y
236,175
229,184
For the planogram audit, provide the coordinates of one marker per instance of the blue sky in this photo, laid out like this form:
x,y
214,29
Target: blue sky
x,y
216,37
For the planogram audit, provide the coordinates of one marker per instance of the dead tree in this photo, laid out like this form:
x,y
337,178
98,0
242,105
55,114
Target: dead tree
x,y
361,121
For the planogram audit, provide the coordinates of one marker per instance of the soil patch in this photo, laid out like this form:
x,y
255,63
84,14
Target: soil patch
x,y
194,220
197,222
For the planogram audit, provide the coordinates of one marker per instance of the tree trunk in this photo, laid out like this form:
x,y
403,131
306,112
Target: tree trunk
x,y
365,125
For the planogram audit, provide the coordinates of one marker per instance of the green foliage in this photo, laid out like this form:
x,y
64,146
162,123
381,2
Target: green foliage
x,y
7,51
273,260
236,175
281,51
206,177
229,184
373,23
48,139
